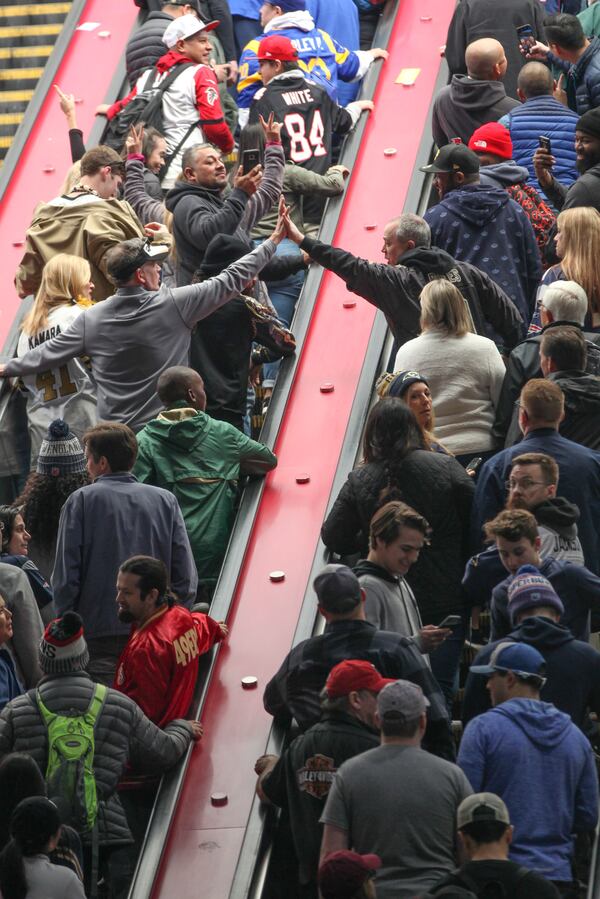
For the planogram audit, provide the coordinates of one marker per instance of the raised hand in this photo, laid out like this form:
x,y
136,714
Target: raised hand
x,y
135,140
271,128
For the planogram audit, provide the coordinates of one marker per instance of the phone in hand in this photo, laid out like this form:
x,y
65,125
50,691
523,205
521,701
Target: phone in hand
x,y
474,464
526,37
450,621
250,159
545,144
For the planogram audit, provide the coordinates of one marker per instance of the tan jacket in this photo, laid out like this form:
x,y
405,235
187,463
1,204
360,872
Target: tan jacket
x,y
84,226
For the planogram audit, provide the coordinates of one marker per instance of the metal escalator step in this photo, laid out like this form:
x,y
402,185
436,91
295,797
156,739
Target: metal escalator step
x,y
10,118
21,74
33,9
23,53
10,31
15,96
5,142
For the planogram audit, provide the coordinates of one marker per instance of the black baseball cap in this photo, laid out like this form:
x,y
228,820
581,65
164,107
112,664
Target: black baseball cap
x,y
122,269
454,158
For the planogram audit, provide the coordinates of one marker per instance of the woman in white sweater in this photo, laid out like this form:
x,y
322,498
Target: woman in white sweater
x,y
464,371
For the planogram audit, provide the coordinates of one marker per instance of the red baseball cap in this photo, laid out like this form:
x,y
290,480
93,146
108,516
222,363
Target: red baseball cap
x,y
492,138
355,674
276,46
343,873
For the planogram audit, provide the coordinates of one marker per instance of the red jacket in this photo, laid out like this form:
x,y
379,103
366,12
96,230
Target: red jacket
x,y
205,94
158,668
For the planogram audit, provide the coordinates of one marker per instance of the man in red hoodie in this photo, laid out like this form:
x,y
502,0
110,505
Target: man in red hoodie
x,y
191,107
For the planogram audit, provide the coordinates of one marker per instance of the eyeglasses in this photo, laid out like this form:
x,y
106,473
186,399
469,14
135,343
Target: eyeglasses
x,y
525,484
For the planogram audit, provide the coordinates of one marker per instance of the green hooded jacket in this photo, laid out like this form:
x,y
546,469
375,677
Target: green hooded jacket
x,y
200,460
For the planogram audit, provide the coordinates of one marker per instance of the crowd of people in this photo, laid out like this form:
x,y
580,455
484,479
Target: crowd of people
x,y
442,728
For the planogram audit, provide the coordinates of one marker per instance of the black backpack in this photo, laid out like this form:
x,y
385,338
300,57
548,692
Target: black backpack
x,y
491,889
146,107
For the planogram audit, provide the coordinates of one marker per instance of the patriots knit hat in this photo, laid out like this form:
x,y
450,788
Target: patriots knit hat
x,y
492,138
289,5
402,380
61,452
528,589
63,648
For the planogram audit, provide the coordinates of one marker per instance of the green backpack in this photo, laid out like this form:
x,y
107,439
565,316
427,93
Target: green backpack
x,y
70,771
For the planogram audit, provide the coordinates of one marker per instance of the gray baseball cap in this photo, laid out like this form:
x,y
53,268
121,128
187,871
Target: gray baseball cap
x,y
402,700
481,807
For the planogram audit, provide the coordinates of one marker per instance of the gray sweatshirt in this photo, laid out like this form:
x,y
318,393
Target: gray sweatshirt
x,y
390,604
136,334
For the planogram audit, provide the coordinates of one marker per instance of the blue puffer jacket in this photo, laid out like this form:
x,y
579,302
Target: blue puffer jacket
x,y
544,115
584,79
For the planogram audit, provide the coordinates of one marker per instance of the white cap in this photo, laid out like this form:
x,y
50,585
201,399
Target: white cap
x,y
184,27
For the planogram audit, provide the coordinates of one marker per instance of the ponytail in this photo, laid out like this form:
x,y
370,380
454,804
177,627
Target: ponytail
x,y
13,884
33,824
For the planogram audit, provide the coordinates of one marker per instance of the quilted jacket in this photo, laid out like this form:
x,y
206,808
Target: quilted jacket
x,y
435,485
122,734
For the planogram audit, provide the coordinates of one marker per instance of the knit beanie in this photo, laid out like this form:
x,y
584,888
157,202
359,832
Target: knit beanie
x,y
492,138
529,589
289,5
61,452
223,250
402,380
63,648
589,122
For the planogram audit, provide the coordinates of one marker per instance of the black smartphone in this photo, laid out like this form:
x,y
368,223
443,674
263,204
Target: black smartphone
x,y
526,36
545,144
474,464
451,621
250,159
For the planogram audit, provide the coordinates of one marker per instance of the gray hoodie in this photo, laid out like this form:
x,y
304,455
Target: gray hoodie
x,y
136,334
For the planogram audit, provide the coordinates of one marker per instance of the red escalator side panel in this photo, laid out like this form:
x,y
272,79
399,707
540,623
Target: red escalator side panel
x,y
86,70
203,846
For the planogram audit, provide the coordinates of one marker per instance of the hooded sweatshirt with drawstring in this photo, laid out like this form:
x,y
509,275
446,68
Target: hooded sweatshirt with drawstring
x,y
572,671
200,460
465,104
482,225
542,766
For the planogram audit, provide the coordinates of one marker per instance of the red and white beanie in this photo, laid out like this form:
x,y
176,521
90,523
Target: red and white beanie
x,y
63,648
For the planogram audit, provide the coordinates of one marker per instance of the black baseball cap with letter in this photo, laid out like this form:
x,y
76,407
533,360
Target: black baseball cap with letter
x,y
453,158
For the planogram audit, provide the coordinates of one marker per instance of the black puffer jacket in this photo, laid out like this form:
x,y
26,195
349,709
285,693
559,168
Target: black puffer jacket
x,y
122,733
524,364
437,487
395,289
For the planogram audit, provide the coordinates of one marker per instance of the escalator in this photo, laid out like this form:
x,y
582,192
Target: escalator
x,y
206,834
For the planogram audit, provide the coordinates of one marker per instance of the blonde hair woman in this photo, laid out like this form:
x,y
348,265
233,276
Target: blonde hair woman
x,y
464,371
578,248
66,391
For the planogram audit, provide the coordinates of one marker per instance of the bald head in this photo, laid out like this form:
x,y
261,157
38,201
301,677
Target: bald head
x,y
485,59
181,383
535,80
